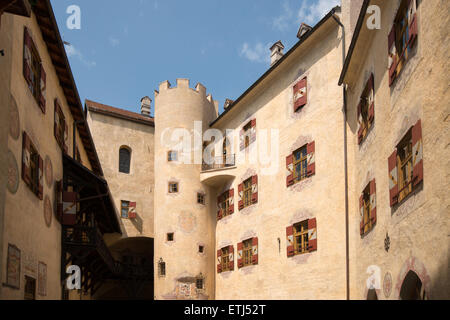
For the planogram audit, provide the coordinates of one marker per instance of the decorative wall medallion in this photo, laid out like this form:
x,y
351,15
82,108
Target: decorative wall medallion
x,y
13,173
387,284
42,279
48,167
48,212
387,242
14,119
187,222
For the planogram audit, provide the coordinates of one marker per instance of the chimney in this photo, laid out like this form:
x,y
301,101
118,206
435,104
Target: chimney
x,y
304,29
228,103
146,104
276,52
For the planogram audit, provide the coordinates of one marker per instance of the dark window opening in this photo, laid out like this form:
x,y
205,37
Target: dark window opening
x,y
124,160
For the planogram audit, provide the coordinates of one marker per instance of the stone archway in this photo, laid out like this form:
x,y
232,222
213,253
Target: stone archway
x,y
413,281
412,288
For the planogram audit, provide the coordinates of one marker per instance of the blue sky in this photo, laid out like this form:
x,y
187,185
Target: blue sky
x,y
124,49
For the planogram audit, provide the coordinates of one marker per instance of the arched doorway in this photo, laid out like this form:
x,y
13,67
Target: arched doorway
x,y
135,281
412,288
372,295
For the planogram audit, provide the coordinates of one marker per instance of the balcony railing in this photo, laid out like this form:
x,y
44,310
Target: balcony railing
x,y
223,162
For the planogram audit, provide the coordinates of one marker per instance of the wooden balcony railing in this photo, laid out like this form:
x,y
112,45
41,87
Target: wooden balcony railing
x,y
223,162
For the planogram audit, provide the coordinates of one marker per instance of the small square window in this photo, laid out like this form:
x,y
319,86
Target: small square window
x,y
170,237
199,283
201,249
200,198
172,156
173,187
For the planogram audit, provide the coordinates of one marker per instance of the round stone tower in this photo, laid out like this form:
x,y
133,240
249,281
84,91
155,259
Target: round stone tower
x,y
184,228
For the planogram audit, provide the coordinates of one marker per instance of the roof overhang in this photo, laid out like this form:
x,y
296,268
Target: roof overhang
x,y
361,42
106,110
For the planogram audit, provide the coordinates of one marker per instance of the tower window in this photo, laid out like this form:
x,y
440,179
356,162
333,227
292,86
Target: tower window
x,y
161,268
201,249
173,187
172,156
200,198
124,209
124,160
170,237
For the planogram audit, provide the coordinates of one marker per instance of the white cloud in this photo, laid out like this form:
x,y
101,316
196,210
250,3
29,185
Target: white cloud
x,y
71,51
283,21
114,41
258,53
311,12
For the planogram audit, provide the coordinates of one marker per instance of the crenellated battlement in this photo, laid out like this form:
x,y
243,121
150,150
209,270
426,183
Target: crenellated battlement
x,y
183,83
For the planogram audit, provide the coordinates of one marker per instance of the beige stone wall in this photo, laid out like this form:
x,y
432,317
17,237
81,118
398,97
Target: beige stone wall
x,y
24,223
110,134
191,223
418,229
317,275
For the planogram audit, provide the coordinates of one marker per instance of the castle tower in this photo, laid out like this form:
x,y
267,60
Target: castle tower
x,y
184,237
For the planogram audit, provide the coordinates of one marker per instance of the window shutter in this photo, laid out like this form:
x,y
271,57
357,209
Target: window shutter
x,y
240,248
312,235
371,89
28,43
255,251
58,201
241,196
255,189
43,84
373,201
417,153
66,138
231,250
360,122
132,210
26,159
412,20
69,217
393,178
290,170
290,241
392,56
361,215
231,199
219,205
219,261
41,179
300,94
56,123
242,140
311,150
253,131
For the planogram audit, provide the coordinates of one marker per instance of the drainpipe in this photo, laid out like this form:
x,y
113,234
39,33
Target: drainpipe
x,y
347,245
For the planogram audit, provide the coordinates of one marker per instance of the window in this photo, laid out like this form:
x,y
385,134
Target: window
x,y
161,268
248,135
201,249
173,187
172,156
300,94
32,167
200,282
60,129
366,110
225,259
247,252
170,237
367,205
402,38
225,202
405,166
301,238
125,208
124,160
300,164
30,288
247,192
200,198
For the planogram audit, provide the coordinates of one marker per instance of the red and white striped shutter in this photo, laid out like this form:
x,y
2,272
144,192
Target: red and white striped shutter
x,y
290,241
242,140
255,250
231,201
393,179
26,159
69,208
371,99
56,130
231,255
41,179
373,201
241,196
219,261
66,138
360,122
312,235
253,131
290,170
361,215
417,153
392,52
43,85
28,43
132,210
311,159
300,94
412,21
255,189
240,261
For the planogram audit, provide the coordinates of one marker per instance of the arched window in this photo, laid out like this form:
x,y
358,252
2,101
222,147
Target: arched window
x,y
124,160
412,288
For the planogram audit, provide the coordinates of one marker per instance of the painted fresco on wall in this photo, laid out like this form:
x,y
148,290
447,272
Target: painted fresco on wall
x,y
42,279
13,173
13,267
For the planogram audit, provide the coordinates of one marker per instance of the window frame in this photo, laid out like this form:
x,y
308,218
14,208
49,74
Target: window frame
x,y
124,204
304,168
405,166
201,198
247,192
172,156
127,170
367,209
225,259
247,252
170,237
302,233
225,205
35,72
172,190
